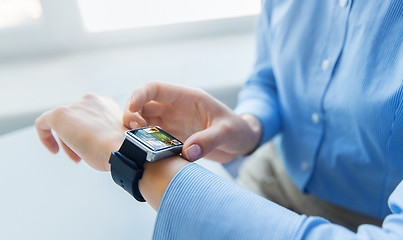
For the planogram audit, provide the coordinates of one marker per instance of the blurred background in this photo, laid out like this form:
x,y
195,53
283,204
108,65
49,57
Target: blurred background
x,y
53,52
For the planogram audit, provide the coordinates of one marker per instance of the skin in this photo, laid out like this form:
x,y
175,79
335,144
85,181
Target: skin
x,y
93,127
194,117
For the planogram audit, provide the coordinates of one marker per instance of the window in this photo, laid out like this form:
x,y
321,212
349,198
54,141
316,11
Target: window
x,y
106,15
32,27
15,13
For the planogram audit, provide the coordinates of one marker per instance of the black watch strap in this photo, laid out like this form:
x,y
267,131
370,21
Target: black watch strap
x,y
127,168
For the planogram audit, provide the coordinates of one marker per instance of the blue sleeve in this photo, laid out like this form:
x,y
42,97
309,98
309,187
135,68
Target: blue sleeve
x,y
200,205
392,227
259,94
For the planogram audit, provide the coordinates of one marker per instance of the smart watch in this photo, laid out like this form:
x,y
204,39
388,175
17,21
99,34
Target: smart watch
x,y
140,145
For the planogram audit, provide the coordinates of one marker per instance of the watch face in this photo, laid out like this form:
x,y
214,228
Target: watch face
x,y
155,138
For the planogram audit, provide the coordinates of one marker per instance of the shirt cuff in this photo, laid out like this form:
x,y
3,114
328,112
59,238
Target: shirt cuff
x,y
199,204
263,105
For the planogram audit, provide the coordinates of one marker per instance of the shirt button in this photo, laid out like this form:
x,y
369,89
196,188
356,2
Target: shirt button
x,y
304,165
315,118
342,3
325,64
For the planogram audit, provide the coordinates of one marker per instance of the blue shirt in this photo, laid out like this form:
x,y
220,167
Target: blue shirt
x,y
200,205
328,78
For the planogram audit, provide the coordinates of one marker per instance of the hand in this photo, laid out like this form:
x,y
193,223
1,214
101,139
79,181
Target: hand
x,y
207,127
89,129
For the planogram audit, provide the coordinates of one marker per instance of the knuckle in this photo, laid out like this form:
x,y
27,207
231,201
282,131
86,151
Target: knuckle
x,y
200,92
226,128
38,121
153,84
203,96
89,96
61,110
199,95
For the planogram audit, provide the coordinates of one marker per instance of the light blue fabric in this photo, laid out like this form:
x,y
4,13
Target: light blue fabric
x,y
200,205
328,78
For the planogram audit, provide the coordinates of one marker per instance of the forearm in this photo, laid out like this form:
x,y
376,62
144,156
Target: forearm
x,y
199,205
157,176
192,201
259,95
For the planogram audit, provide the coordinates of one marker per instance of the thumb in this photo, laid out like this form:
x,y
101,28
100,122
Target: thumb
x,y
201,143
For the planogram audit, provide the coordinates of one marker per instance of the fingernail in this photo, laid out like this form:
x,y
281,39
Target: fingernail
x,y
193,152
133,125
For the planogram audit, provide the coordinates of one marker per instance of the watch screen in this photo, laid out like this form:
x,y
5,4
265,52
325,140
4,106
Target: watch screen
x,y
155,138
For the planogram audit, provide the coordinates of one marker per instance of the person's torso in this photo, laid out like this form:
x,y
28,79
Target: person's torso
x,y
339,69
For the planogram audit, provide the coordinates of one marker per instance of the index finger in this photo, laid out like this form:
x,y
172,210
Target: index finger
x,y
159,92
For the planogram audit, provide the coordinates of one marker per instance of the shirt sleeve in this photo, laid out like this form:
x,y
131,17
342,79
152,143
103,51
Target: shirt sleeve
x,y
200,205
259,94
392,227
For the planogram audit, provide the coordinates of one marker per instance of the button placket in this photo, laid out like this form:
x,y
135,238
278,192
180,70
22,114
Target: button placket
x,y
342,3
325,65
304,165
315,118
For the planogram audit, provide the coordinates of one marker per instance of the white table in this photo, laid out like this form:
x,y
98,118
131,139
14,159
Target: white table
x,y
45,196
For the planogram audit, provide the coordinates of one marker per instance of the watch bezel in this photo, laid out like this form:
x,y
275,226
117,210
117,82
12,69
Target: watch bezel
x,y
153,155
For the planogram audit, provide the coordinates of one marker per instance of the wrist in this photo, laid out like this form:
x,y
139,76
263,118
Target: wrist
x,y
157,176
253,132
111,145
